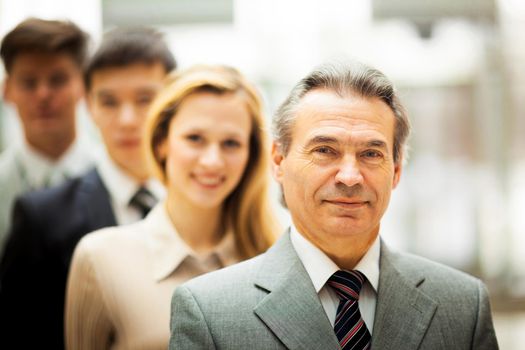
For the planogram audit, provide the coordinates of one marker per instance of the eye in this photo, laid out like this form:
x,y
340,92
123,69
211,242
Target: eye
x,y
324,150
194,138
108,102
58,80
144,100
28,83
231,144
372,155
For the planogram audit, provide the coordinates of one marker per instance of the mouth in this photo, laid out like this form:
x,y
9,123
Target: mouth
x,y
348,203
130,143
46,114
209,182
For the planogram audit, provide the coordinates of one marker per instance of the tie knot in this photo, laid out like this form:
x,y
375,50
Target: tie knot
x,y
143,200
347,284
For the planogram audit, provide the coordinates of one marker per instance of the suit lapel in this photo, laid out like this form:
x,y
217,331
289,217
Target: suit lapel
x,y
96,198
403,312
292,309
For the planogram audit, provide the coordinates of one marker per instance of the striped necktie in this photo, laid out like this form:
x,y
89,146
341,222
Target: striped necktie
x,y
349,326
143,201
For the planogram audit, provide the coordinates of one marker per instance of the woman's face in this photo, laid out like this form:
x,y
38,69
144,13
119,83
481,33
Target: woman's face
x,y
207,149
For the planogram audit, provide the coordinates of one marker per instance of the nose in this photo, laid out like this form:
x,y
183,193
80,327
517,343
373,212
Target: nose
x,y
127,115
43,91
349,172
211,158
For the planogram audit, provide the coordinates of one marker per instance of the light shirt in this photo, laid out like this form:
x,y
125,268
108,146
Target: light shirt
x,y
23,169
122,187
122,279
320,268
38,171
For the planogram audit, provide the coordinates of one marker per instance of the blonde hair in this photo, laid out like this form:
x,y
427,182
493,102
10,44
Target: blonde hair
x,y
246,210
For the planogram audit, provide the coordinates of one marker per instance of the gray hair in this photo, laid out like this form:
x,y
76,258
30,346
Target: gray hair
x,y
343,78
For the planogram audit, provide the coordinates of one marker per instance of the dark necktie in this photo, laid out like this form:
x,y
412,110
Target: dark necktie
x,y
349,326
143,201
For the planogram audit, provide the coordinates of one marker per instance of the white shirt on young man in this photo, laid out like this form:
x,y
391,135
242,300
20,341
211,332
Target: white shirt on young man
x,y
320,268
122,187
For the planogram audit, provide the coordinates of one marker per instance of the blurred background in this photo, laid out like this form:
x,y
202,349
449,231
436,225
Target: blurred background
x,y
460,69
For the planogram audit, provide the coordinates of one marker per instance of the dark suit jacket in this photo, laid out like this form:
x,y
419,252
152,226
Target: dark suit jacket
x,y
46,227
269,302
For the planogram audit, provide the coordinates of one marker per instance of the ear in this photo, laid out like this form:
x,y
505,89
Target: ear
x,y
277,162
398,167
6,90
82,93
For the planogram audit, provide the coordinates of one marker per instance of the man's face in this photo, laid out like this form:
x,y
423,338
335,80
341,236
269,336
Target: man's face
x,y
339,171
45,89
118,100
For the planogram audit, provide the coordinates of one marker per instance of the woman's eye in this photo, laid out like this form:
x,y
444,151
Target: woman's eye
x,y
231,144
194,138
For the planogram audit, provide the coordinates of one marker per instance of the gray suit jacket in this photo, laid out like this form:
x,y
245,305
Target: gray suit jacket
x,y
269,302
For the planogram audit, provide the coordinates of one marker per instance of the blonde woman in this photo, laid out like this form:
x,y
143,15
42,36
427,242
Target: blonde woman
x,y
206,143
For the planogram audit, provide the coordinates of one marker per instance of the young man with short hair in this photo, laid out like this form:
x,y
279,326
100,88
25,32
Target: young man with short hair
x,y
121,79
43,61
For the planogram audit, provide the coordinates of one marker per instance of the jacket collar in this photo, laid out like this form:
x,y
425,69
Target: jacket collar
x,y
293,312
403,311
292,309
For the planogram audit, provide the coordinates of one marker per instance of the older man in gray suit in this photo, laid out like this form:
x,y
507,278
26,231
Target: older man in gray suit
x,y
331,282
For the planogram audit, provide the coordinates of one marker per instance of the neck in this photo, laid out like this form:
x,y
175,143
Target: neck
x,y
136,171
139,174
199,227
344,250
52,148
347,259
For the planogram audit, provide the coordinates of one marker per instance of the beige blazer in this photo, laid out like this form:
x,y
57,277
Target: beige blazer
x,y
121,282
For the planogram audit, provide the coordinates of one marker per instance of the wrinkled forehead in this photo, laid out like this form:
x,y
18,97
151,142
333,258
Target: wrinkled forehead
x,y
323,109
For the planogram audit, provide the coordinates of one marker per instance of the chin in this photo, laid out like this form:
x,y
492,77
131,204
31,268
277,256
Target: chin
x,y
348,228
207,202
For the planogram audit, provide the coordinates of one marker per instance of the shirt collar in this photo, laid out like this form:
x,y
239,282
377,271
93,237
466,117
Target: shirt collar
x,y
121,186
170,250
320,267
73,162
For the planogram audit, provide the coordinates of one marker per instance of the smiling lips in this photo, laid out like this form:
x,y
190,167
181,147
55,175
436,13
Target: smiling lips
x,y
209,182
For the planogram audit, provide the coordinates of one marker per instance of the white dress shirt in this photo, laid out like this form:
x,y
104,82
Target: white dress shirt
x,y
122,187
320,268
35,170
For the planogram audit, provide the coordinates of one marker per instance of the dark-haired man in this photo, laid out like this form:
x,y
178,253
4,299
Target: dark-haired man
x,y
43,60
121,80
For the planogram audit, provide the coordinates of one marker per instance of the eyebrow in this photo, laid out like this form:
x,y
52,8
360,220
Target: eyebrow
x,y
103,93
321,139
227,134
376,144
